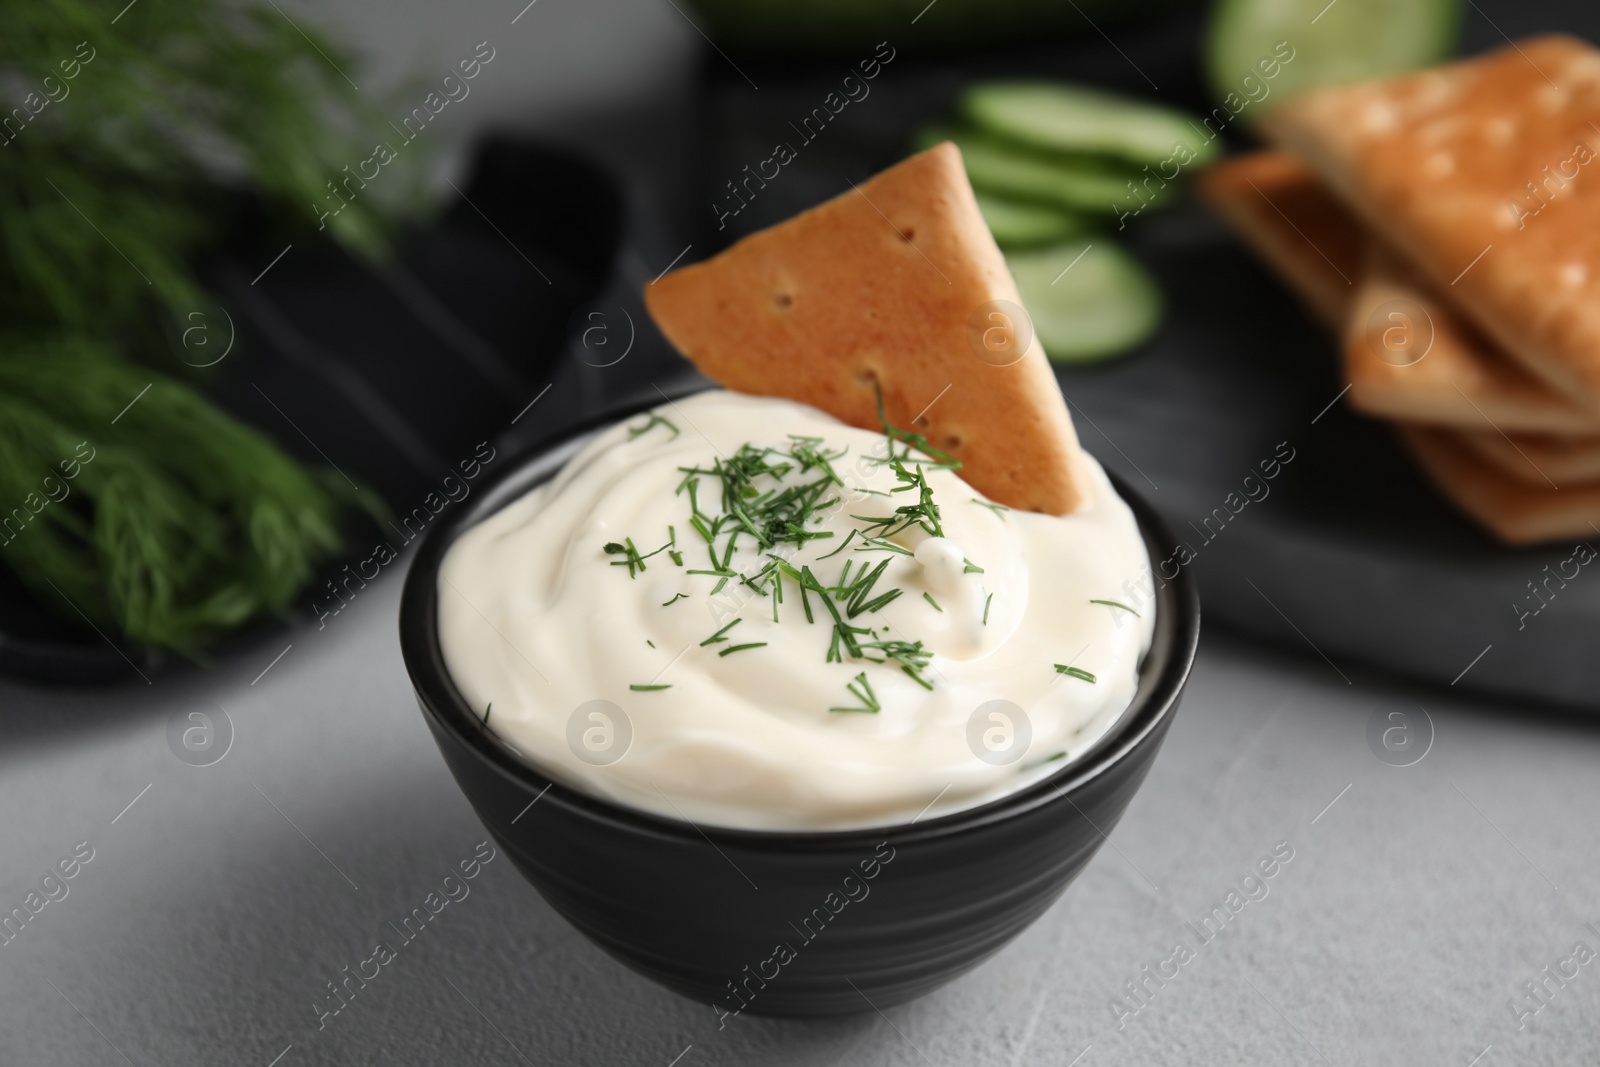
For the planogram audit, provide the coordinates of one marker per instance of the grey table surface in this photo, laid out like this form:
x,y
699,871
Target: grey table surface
x,y
221,900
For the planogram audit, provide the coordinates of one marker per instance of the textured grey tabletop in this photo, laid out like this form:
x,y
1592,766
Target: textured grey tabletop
x,y
221,900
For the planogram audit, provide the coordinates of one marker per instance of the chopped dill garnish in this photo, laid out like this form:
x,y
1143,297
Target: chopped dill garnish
x,y
908,472
772,499
855,595
869,699
914,440
631,557
924,512
877,602
998,509
720,635
889,546
486,712
844,635
758,500
649,642
770,515
1074,672
986,601
1116,604
652,420
800,580
851,536
757,583
910,655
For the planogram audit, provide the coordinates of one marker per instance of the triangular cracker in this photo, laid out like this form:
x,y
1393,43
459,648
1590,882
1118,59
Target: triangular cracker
x,y
1484,174
1463,380
1284,214
879,289
1512,509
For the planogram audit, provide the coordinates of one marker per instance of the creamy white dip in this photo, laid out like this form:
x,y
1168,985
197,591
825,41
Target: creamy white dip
x,y
557,612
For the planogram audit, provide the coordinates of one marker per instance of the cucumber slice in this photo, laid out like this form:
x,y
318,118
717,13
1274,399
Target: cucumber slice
x,y
1072,118
1287,46
1019,225
1088,299
1076,183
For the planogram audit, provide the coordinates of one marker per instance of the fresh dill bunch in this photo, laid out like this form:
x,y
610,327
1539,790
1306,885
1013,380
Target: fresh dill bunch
x,y
177,522
126,138
115,137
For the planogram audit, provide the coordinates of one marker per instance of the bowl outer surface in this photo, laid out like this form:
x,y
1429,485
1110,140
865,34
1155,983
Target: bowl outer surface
x,y
704,910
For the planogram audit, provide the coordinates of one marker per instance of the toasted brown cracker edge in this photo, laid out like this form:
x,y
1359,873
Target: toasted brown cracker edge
x,y
1275,204
1513,510
878,290
1280,209
1538,459
1462,379
1284,213
1435,161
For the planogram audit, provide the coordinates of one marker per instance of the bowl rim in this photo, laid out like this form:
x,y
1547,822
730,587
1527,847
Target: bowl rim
x,y
1161,682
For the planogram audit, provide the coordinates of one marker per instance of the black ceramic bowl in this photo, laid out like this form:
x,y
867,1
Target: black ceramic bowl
x,y
779,923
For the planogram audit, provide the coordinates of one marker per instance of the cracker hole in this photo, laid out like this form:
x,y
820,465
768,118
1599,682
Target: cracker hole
x,y
782,301
867,376
950,442
908,234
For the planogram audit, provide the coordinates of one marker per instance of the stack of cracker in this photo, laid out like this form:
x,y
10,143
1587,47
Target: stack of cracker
x,y
1447,225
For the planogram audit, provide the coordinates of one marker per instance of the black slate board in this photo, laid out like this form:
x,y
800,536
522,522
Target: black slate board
x,y
1352,556
1350,552
392,373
